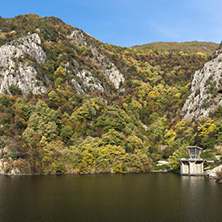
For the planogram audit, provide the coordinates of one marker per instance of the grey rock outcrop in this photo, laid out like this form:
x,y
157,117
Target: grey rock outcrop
x,y
213,173
204,97
109,70
14,68
21,60
90,81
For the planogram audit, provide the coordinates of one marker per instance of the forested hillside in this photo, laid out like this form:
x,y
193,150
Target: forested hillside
x,y
186,47
72,104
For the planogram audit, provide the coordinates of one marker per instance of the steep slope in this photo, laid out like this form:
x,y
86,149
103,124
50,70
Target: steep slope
x,y
159,80
72,104
17,72
29,62
205,88
108,68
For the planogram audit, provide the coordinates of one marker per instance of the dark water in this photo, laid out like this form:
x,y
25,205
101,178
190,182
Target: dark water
x,y
133,197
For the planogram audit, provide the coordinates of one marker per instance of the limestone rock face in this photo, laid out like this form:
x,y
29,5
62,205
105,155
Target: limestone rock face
x,y
213,173
14,68
21,60
108,69
90,81
114,75
205,85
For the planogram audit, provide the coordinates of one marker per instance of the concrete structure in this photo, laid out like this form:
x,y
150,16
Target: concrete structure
x,y
194,164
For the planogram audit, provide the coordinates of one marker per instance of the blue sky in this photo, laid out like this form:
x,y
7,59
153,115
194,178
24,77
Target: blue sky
x,y
131,22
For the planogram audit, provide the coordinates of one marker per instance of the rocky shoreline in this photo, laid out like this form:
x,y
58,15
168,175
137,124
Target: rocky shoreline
x,y
14,173
215,173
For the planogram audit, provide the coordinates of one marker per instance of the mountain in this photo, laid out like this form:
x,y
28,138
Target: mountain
x,y
206,88
34,48
186,47
72,104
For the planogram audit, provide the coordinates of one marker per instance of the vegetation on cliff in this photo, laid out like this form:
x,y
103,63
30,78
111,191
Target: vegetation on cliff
x,y
99,127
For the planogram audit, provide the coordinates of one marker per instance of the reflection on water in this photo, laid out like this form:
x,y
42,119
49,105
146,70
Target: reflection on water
x,y
204,198
193,197
131,197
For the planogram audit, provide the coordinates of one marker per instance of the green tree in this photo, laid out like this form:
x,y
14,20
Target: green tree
x,y
174,159
60,72
134,143
66,133
113,137
54,157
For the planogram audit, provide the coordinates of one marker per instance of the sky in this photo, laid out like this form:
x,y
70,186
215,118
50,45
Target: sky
x,y
130,22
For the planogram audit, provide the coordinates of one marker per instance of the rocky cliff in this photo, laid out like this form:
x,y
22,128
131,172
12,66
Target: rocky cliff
x,y
15,69
104,64
205,94
47,127
28,62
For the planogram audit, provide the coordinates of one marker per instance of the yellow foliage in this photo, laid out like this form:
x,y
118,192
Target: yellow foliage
x,y
170,136
93,103
125,106
153,94
207,128
60,72
12,98
2,36
13,32
200,54
150,73
135,105
178,95
180,126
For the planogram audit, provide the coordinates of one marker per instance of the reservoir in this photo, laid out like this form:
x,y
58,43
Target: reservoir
x,y
119,197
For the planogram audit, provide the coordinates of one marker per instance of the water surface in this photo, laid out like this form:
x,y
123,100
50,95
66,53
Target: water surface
x,y
131,197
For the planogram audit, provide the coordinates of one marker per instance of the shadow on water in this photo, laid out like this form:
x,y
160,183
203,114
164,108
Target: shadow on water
x,y
130,197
